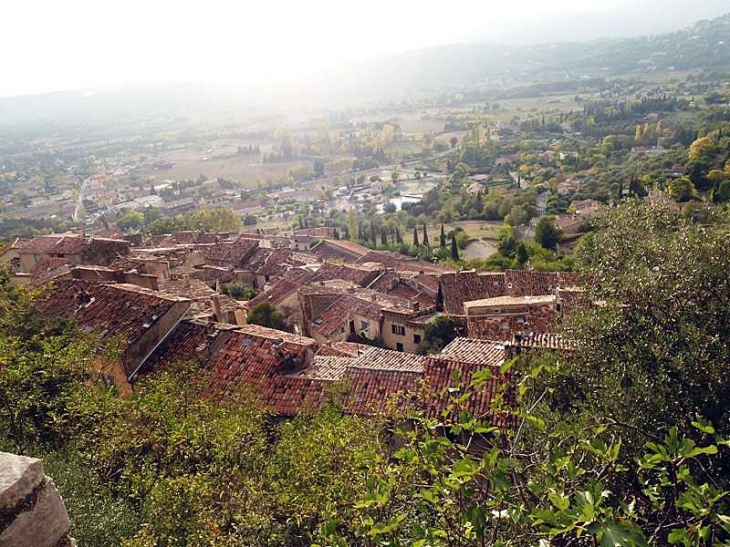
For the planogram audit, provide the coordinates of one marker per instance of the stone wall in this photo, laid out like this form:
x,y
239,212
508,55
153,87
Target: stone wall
x,y
32,513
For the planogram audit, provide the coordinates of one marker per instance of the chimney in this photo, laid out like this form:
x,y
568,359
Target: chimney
x,y
215,302
416,306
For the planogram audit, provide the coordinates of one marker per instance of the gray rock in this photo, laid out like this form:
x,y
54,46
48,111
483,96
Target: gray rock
x,y
19,476
43,525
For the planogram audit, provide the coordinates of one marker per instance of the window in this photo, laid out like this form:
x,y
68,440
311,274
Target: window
x,y
399,347
364,325
416,338
400,330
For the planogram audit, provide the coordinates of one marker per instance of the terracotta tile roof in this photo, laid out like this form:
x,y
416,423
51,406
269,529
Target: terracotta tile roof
x,y
385,282
532,283
549,341
386,359
460,287
472,350
191,340
400,262
343,349
381,391
47,269
260,362
445,376
112,310
55,244
333,318
277,370
283,288
405,292
429,281
232,253
357,274
326,367
498,301
338,249
269,262
322,231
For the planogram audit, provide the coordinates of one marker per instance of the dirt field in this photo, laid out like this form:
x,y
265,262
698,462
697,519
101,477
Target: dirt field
x,y
190,163
479,249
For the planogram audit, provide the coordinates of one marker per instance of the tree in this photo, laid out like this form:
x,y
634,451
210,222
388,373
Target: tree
x,y
522,256
131,220
547,234
438,334
507,241
454,248
383,237
398,238
395,175
266,315
318,168
216,219
415,237
659,343
681,189
425,236
442,237
453,141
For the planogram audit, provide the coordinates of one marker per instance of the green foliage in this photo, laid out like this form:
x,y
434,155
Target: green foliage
x,y
238,290
266,315
454,249
682,189
655,349
438,333
131,220
547,234
215,219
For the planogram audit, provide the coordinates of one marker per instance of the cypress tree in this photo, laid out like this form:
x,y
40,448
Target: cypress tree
x,y
372,233
522,255
415,237
442,237
383,237
398,238
454,249
425,236
337,234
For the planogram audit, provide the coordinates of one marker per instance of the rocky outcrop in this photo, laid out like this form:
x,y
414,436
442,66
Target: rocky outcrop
x,y
32,513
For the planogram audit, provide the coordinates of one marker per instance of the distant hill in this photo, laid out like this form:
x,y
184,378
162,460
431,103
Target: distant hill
x,y
704,45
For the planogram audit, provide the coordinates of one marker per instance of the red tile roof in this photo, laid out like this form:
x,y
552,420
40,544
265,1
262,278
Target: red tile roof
x,y
386,359
471,350
47,269
55,244
339,313
232,253
381,391
268,262
190,341
359,275
400,262
115,310
259,362
342,349
339,249
459,287
283,288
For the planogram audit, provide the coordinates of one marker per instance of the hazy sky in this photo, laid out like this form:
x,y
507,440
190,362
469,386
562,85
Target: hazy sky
x,y
49,45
